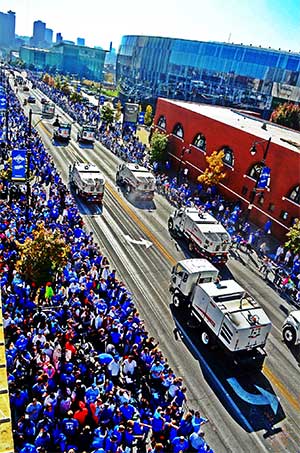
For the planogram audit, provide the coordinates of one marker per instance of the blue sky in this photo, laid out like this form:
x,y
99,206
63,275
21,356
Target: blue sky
x,y
274,23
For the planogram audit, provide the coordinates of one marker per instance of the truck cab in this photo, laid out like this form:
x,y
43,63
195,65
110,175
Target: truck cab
x,y
87,181
291,329
86,134
62,132
137,180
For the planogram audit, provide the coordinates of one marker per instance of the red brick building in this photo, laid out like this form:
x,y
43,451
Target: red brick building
x,y
196,130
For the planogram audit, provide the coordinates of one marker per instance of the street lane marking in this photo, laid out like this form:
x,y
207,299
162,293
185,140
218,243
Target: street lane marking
x,y
265,398
280,386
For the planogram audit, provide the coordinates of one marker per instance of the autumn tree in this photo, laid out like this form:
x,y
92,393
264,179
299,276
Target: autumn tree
x,y
118,111
213,174
46,78
293,235
287,114
148,115
158,146
42,256
107,114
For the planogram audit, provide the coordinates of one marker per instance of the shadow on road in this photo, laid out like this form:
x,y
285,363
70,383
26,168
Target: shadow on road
x,y
247,395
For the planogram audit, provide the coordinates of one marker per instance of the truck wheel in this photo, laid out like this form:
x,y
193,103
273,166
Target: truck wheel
x,y
191,247
171,225
128,189
205,338
76,191
176,300
289,336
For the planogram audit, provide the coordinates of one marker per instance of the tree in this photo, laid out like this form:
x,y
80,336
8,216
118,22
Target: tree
x,y
158,146
287,114
46,78
107,114
293,236
42,256
118,111
213,174
75,97
148,115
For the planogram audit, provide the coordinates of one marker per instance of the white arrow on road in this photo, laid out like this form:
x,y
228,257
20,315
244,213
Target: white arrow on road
x,y
264,399
142,241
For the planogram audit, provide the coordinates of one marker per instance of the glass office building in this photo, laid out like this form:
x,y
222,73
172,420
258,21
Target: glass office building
x,y
148,67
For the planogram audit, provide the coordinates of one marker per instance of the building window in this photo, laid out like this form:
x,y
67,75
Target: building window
x,y
284,215
162,122
271,207
294,195
293,221
200,141
178,130
244,190
228,158
254,172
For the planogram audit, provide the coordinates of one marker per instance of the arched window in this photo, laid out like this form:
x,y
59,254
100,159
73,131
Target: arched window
x,y
162,122
200,141
294,195
228,158
178,130
255,171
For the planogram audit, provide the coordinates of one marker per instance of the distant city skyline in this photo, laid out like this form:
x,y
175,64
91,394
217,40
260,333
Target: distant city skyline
x,y
269,23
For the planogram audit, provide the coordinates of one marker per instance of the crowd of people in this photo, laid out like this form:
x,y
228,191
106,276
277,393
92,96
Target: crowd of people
x,y
84,374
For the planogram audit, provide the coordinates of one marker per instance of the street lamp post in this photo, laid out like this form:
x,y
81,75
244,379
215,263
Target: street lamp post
x,y
253,151
183,152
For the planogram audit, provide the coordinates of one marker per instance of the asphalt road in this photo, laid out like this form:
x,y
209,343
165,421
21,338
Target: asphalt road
x,y
254,412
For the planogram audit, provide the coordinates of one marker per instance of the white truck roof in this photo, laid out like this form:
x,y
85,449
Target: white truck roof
x,y
200,217
197,265
88,172
235,303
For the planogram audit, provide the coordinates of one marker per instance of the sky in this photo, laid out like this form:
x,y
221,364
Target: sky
x,y
269,23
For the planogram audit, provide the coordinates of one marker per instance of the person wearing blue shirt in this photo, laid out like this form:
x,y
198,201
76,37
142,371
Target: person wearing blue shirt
x,y
180,444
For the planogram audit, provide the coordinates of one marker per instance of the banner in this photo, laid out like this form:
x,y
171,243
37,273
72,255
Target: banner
x,y
264,178
131,112
141,118
3,103
18,164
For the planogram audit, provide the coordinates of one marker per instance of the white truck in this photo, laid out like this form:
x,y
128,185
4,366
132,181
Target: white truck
x,y
205,235
291,328
226,314
136,180
87,180
86,134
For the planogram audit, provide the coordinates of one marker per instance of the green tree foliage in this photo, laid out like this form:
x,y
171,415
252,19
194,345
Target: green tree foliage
x,y
158,146
287,114
75,97
42,256
293,242
107,114
148,116
213,174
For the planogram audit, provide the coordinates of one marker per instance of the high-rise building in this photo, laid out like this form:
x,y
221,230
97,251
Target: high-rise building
x,y
59,38
39,32
7,29
49,36
80,42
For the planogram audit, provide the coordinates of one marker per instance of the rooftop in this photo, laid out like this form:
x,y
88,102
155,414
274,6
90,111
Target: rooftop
x,y
280,135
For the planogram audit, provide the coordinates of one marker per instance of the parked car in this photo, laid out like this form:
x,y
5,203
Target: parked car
x,y
31,100
25,88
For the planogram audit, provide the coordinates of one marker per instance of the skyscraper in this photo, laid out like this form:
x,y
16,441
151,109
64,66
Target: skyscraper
x,y
7,29
49,36
80,42
59,37
39,31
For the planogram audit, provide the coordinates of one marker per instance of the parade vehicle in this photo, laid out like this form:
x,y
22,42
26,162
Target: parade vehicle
x,y
62,133
31,100
225,314
48,110
137,180
86,134
87,181
205,235
291,328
